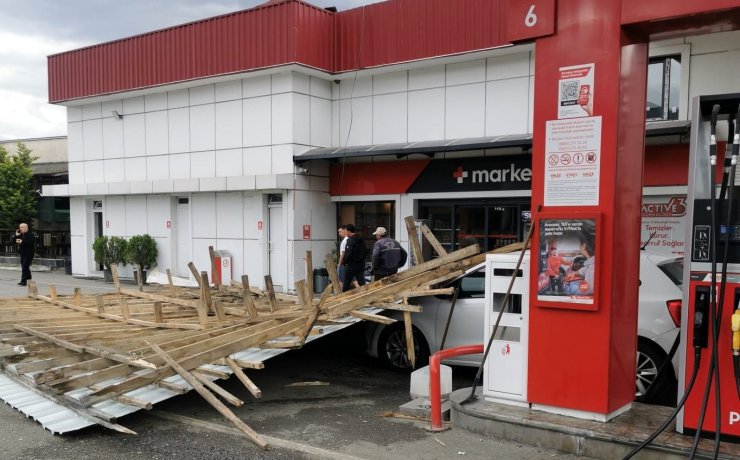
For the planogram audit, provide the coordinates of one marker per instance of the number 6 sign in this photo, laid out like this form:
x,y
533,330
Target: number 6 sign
x,y
525,20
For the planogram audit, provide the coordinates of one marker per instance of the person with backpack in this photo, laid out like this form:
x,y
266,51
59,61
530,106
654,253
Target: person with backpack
x,y
354,259
388,255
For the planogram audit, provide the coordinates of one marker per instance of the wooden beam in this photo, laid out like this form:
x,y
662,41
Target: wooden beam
x,y
372,317
414,240
249,306
409,338
169,281
331,267
309,271
158,312
206,290
398,307
179,389
225,395
116,279
195,273
271,293
77,297
53,292
33,290
251,434
425,292
214,269
438,248
248,384
125,313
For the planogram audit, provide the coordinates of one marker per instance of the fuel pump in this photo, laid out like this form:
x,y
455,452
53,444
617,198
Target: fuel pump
x,y
709,377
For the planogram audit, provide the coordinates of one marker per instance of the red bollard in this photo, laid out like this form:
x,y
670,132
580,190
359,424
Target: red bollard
x,y
434,384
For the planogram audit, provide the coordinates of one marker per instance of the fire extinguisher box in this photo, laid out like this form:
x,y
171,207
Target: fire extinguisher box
x,y
223,267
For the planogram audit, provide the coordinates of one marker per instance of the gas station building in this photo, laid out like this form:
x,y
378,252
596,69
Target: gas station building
x,y
258,132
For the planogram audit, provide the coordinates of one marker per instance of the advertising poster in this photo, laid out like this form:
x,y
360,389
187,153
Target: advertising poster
x,y
576,91
572,162
567,262
663,224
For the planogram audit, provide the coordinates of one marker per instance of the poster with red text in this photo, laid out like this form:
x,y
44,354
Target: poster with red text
x,y
663,224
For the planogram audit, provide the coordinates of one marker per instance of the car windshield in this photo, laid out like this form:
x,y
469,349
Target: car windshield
x,y
673,269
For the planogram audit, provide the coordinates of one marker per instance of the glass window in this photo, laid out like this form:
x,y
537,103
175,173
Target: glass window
x,y
473,285
367,216
663,88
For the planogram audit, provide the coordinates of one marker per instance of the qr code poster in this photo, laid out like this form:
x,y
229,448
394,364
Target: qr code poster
x,y
576,91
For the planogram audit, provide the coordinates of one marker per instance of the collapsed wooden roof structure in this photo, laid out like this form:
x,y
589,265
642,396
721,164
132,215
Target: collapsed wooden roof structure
x,y
87,352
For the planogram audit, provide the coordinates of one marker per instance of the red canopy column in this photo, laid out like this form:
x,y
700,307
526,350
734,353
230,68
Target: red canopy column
x,y
582,360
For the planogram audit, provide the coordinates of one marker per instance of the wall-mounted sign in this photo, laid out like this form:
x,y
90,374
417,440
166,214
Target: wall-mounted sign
x,y
528,19
107,224
567,261
168,224
475,174
306,232
663,224
259,225
576,91
572,162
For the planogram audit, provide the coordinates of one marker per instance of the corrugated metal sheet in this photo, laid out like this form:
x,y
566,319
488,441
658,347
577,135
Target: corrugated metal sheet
x,y
277,34
407,30
261,37
59,419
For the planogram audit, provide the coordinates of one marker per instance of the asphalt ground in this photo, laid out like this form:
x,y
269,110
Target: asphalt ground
x,y
344,416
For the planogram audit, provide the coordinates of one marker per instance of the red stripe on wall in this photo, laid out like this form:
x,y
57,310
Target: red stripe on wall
x,y
374,178
666,165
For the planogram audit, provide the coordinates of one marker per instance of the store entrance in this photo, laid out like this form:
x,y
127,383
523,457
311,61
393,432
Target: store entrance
x,y
488,223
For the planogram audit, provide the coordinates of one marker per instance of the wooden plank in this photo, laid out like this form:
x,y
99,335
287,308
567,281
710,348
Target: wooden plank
x,y
409,338
372,317
219,309
309,271
414,240
116,279
249,306
158,312
214,268
169,281
225,395
33,290
304,294
162,298
271,293
244,364
179,389
246,381
195,273
206,290
53,292
331,267
438,248
125,313
251,434
100,303
398,307
213,373
77,297
88,349
425,292
203,352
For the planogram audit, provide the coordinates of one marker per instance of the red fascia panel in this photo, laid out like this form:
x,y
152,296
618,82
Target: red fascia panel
x,y
400,31
666,165
640,11
374,178
266,36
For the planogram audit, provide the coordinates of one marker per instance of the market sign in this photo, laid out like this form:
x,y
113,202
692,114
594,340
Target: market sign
x,y
475,174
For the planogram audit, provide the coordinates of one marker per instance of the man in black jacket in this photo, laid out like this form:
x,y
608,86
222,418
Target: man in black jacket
x,y
26,247
354,259
388,255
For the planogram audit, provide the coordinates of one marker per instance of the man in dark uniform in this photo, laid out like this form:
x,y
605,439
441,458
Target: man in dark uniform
x,y
26,247
354,259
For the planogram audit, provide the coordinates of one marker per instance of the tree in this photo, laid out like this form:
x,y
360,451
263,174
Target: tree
x,y
18,199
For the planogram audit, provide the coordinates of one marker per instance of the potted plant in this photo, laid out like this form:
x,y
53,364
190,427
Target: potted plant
x,y
141,250
108,250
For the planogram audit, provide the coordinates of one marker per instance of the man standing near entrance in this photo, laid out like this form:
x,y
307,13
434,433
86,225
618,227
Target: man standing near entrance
x,y
388,255
354,259
26,246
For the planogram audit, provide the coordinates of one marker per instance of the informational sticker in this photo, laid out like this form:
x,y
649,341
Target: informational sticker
x,y
663,224
567,261
572,162
576,91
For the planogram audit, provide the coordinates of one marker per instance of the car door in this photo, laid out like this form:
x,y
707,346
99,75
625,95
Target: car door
x,y
466,324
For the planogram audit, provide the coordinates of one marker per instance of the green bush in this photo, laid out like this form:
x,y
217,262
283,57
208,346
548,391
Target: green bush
x,y
108,250
141,250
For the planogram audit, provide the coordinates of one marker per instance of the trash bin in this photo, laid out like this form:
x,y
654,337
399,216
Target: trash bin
x,y
67,266
320,280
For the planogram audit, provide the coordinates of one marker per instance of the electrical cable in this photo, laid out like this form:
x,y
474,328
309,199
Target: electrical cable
x,y
715,307
697,348
679,406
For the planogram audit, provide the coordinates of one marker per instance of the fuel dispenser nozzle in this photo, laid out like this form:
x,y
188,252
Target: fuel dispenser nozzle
x,y
736,348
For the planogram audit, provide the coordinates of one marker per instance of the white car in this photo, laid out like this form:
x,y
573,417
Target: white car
x,y
659,316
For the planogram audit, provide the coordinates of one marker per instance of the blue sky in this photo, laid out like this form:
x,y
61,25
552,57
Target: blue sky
x,y
34,29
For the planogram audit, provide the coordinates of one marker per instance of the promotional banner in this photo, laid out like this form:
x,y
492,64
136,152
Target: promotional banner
x,y
567,261
663,224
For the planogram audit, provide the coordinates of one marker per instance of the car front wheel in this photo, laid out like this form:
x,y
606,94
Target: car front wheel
x,y
650,358
392,349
